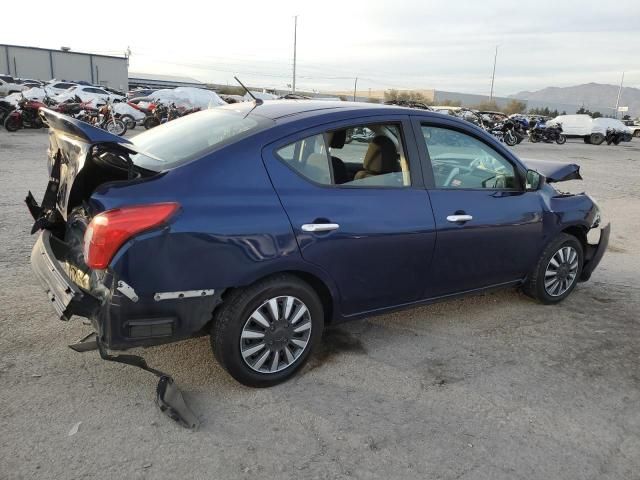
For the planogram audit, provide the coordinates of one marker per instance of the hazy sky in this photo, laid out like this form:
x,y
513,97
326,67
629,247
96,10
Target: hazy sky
x,y
447,45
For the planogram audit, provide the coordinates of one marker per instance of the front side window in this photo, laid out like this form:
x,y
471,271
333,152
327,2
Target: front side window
x,y
461,161
362,156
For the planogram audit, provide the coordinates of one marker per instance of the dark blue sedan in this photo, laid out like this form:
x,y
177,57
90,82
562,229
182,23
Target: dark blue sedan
x,y
260,224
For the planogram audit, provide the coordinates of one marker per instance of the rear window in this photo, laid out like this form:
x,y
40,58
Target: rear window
x,y
190,137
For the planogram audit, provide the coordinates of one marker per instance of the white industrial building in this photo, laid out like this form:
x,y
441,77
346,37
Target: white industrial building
x,y
46,64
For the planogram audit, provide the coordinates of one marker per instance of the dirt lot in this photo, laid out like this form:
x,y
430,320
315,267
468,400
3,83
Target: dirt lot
x,y
488,387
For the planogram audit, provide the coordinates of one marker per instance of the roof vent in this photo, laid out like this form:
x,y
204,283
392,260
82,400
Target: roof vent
x,y
65,49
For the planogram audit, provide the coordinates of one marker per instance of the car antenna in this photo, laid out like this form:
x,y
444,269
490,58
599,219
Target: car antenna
x,y
258,101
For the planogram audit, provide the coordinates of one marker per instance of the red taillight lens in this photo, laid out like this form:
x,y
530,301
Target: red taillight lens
x,y
109,230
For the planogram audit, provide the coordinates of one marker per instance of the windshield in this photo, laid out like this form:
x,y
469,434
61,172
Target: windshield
x,y
190,137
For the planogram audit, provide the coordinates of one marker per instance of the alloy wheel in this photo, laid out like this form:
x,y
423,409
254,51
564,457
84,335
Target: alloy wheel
x,y
275,334
561,271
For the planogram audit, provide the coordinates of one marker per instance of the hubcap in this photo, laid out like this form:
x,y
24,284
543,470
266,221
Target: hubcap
x,y
561,271
276,334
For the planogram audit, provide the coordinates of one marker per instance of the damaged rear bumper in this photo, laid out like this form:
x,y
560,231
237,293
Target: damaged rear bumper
x,y
66,297
122,318
594,253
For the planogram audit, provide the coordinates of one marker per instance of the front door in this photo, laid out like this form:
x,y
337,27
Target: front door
x,y
358,207
489,228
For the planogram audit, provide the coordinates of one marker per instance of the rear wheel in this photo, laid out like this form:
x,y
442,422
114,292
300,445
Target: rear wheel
x,y
557,270
587,139
533,139
596,138
561,139
264,333
12,123
151,122
636,133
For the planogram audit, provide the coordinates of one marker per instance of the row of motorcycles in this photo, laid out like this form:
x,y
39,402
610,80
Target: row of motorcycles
x,y
512,130
26,115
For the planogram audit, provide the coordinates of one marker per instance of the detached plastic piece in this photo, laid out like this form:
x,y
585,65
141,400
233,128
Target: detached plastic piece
x,y
169,398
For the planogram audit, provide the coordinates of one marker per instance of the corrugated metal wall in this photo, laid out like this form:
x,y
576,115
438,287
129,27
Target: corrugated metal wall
x,y
44,64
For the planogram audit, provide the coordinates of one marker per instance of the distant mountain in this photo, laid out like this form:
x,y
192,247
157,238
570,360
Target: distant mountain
x,y
594,96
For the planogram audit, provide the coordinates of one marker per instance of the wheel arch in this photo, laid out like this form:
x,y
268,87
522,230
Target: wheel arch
x,y
580,232
320,283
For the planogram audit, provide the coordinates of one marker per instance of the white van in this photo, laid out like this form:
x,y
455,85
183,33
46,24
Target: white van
x,y
592,130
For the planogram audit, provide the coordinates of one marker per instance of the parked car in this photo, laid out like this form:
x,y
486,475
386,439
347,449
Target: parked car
x,y
256,224
633,126
87,92
8,85
55,87
592,130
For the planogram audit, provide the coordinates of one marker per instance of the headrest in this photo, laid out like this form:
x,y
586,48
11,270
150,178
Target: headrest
x,y
381,156
338,138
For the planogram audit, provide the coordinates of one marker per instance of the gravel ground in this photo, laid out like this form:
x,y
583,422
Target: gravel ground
x,y
488,387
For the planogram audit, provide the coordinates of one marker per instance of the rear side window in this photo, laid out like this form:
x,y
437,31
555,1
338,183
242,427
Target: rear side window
x,y
360,156
193,136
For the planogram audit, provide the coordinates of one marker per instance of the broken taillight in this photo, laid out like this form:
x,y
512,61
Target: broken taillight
x,y
109,230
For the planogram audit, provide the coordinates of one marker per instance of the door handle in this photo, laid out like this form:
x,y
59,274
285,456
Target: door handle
x,y
319,227
459,218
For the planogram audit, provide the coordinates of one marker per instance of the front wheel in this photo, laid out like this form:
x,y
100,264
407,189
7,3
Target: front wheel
x,y
533,139
129,121
116,127
12,123
557,271
510,139
264,333
561,139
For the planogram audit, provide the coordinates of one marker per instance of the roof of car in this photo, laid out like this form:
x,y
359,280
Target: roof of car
x,y
276,109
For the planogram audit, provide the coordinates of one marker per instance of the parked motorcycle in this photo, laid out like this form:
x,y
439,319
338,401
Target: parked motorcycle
x,y
542,132
103,117
25,116
505,131
161,114
613,136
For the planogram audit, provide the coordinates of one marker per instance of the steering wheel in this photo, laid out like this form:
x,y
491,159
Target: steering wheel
x,y
454,171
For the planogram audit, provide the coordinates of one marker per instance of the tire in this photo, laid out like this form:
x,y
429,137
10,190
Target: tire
x,y
636,133
129,121
617,140
561,139
536,286
596,138
12,123
116,127
236,315
510,139
533,139
151,122
587,140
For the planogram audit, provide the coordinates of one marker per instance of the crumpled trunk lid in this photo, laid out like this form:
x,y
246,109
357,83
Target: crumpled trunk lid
x,y
70,143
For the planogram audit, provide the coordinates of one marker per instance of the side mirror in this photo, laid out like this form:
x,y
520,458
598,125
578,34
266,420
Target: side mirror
x,y
534,181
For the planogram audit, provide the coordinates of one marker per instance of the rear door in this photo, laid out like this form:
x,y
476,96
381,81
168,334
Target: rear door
x,y
489,228
358,208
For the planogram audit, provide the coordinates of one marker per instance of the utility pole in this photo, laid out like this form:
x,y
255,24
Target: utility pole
x,y
493,76
355,88
619,93
295,42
